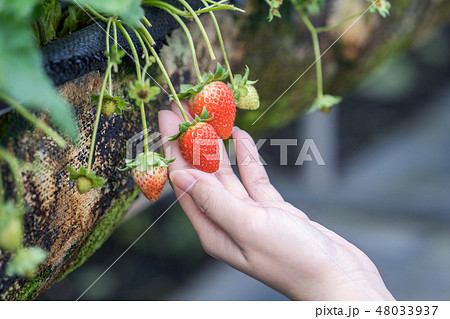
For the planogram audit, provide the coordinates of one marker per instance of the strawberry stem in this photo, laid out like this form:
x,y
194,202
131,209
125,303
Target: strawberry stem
x,y
97,116
144,49
108,27
15,170
133,50
222,46
191,42
144,127
317,55
33,120
200,25
166,76
96,14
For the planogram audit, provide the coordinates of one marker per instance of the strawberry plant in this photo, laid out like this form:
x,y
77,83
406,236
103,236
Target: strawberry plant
x,y
305,8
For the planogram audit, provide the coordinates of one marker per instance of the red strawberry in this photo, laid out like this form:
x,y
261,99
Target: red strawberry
x,y
218,100
149,172
214,96
199,143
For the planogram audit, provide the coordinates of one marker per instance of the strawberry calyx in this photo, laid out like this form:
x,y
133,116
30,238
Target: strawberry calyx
x,y
85,180
187,90
240,83
118,103
143,162
143,92
115,56
183,127
324,103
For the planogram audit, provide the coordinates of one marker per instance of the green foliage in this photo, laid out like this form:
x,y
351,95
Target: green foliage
x,y
22,76
46,25
130,11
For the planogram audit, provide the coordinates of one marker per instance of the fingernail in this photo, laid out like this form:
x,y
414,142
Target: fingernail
x,y
235,128
182,180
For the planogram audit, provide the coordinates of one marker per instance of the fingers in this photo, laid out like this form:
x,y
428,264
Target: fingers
x,y
214,200
214,240
253,175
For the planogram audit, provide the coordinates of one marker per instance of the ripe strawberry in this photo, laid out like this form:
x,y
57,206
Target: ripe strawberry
x,y
249,101
218,100
149,172
199,143
214,96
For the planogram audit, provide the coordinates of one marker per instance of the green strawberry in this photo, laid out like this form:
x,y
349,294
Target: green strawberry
x,y
249,101
245,94
85,180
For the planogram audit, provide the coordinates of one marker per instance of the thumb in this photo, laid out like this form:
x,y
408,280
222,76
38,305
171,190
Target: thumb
x,y
211,198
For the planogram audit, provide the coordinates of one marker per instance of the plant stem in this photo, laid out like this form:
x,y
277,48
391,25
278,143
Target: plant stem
x,y
200,25
96,14
191,43
144,49
166,76
147,23
146,35
162,4
97,117
222,46
15,170
317,55
328,28
144,127
35,121
133,50
108,27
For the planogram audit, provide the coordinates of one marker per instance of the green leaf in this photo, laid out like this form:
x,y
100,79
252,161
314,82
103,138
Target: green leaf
x,y
324,103
130,11
22,76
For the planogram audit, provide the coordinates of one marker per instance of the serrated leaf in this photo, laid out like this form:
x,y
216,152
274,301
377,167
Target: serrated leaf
x,y
130,11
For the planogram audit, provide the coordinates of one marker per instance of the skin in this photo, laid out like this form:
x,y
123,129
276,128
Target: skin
x,y
247,224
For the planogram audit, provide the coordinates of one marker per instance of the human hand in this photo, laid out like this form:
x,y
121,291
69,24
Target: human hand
x,y
249,226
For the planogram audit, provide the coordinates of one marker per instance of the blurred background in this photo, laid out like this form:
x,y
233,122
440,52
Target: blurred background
x,y
385,188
